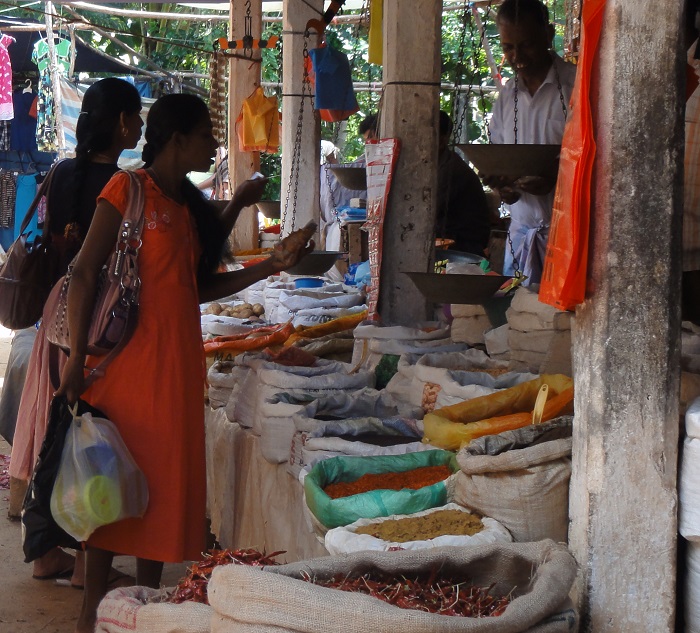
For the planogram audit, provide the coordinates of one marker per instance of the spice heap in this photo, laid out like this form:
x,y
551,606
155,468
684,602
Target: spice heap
x,y
444,596
193,587
424,527
413,479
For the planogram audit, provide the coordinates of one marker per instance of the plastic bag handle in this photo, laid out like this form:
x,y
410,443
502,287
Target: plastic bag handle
x,y
539,404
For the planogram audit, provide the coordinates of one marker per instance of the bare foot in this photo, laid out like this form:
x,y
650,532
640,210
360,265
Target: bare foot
x,y
78,578
54,564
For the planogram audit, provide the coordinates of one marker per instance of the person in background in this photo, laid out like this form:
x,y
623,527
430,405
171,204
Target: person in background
x,y
162,419
369,128
333,195
539,92
109,122
463,212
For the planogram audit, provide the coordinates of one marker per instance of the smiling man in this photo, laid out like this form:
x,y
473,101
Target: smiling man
x,y
531,109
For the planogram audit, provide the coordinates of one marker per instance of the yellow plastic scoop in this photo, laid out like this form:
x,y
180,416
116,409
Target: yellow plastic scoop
x,y
539,404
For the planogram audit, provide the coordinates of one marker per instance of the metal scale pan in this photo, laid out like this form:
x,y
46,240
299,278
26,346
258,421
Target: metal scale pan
x,y
513,161
469,289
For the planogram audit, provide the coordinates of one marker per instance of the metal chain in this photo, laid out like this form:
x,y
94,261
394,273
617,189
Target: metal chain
x,y
515,109
248,31
459,71
296,152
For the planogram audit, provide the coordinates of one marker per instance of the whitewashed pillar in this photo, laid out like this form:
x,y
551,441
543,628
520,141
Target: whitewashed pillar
x,y
627,339
244,78
410,112
308,144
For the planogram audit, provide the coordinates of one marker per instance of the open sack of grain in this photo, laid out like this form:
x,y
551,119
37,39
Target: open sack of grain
x,y
537,576
341,490
450,524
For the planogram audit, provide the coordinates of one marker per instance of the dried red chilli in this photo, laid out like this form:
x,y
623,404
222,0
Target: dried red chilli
x,y
443,596
193,587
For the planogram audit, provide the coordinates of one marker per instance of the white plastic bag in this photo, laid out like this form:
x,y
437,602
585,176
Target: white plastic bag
x,y
98,481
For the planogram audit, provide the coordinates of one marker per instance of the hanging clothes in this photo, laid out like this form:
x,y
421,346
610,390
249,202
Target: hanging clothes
x,y
8,194
23,129
257,124
4,136
25,192
6,110
46,136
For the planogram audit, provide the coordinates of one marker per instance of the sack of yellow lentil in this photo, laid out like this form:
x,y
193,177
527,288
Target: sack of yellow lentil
x,y
450,524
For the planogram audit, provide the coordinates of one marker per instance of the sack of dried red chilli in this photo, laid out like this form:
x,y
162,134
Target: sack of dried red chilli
x,y
144,610
528,583
341,490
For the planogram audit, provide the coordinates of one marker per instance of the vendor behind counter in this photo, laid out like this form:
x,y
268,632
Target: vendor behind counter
x,y
463,213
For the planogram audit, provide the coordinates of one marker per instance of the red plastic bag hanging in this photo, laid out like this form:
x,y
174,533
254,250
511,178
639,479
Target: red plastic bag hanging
x,y
566,262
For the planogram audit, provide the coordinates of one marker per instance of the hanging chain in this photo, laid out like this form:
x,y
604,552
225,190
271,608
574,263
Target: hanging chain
x,y
459,109
515,109
296,152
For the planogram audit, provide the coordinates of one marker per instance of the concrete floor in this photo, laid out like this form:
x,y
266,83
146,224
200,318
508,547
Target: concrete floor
x,y
34,606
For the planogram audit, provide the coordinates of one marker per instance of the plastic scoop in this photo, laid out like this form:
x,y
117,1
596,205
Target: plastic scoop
x,y
539,404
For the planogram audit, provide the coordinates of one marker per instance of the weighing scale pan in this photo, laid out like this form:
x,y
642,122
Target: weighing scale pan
x,y
269,208
354,178
472,289
315,263
512,161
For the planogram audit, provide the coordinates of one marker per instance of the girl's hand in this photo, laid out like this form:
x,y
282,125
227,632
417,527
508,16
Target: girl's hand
x,y
249,192
293,248
72,379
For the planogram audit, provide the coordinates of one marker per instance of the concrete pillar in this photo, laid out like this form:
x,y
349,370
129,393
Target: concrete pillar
x,y
304,194
244,78
410,113
627,336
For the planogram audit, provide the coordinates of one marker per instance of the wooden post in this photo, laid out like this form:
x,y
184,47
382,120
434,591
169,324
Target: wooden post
x,y
55,81
307,144
244,78
627,335
410,113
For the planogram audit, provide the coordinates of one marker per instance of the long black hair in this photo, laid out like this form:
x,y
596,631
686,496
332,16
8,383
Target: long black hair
x,y
182,113
103,103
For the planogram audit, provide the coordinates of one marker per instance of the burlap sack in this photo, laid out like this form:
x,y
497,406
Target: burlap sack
x,y
131,609
526,489
274,599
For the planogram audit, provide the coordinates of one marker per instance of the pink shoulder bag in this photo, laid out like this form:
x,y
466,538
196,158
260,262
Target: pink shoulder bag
x,y
115,313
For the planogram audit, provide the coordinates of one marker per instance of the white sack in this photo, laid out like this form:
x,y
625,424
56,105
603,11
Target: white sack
x,y
345,540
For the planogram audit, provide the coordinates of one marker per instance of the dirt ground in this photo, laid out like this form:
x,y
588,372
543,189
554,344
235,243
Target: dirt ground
x,y
35,606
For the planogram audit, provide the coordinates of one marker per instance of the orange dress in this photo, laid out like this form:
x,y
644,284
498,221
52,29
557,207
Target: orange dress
x,y
154,389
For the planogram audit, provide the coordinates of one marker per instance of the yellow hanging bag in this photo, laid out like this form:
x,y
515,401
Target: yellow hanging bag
x,y
258,124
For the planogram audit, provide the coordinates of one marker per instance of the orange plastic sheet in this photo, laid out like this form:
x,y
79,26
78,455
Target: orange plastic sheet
x,y
341,324
452,427
258,338
566,262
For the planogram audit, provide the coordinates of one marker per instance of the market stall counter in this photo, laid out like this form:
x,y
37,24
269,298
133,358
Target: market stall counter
x,y
251,502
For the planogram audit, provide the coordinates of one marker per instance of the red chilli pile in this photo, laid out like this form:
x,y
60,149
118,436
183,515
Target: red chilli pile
x,y
193,587
442,596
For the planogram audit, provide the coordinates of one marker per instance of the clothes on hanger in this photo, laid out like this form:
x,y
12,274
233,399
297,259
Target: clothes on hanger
x,y
6,109
8,193
23,129
46,136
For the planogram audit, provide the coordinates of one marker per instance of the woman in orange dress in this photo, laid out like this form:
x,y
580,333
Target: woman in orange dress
x,y
153,390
